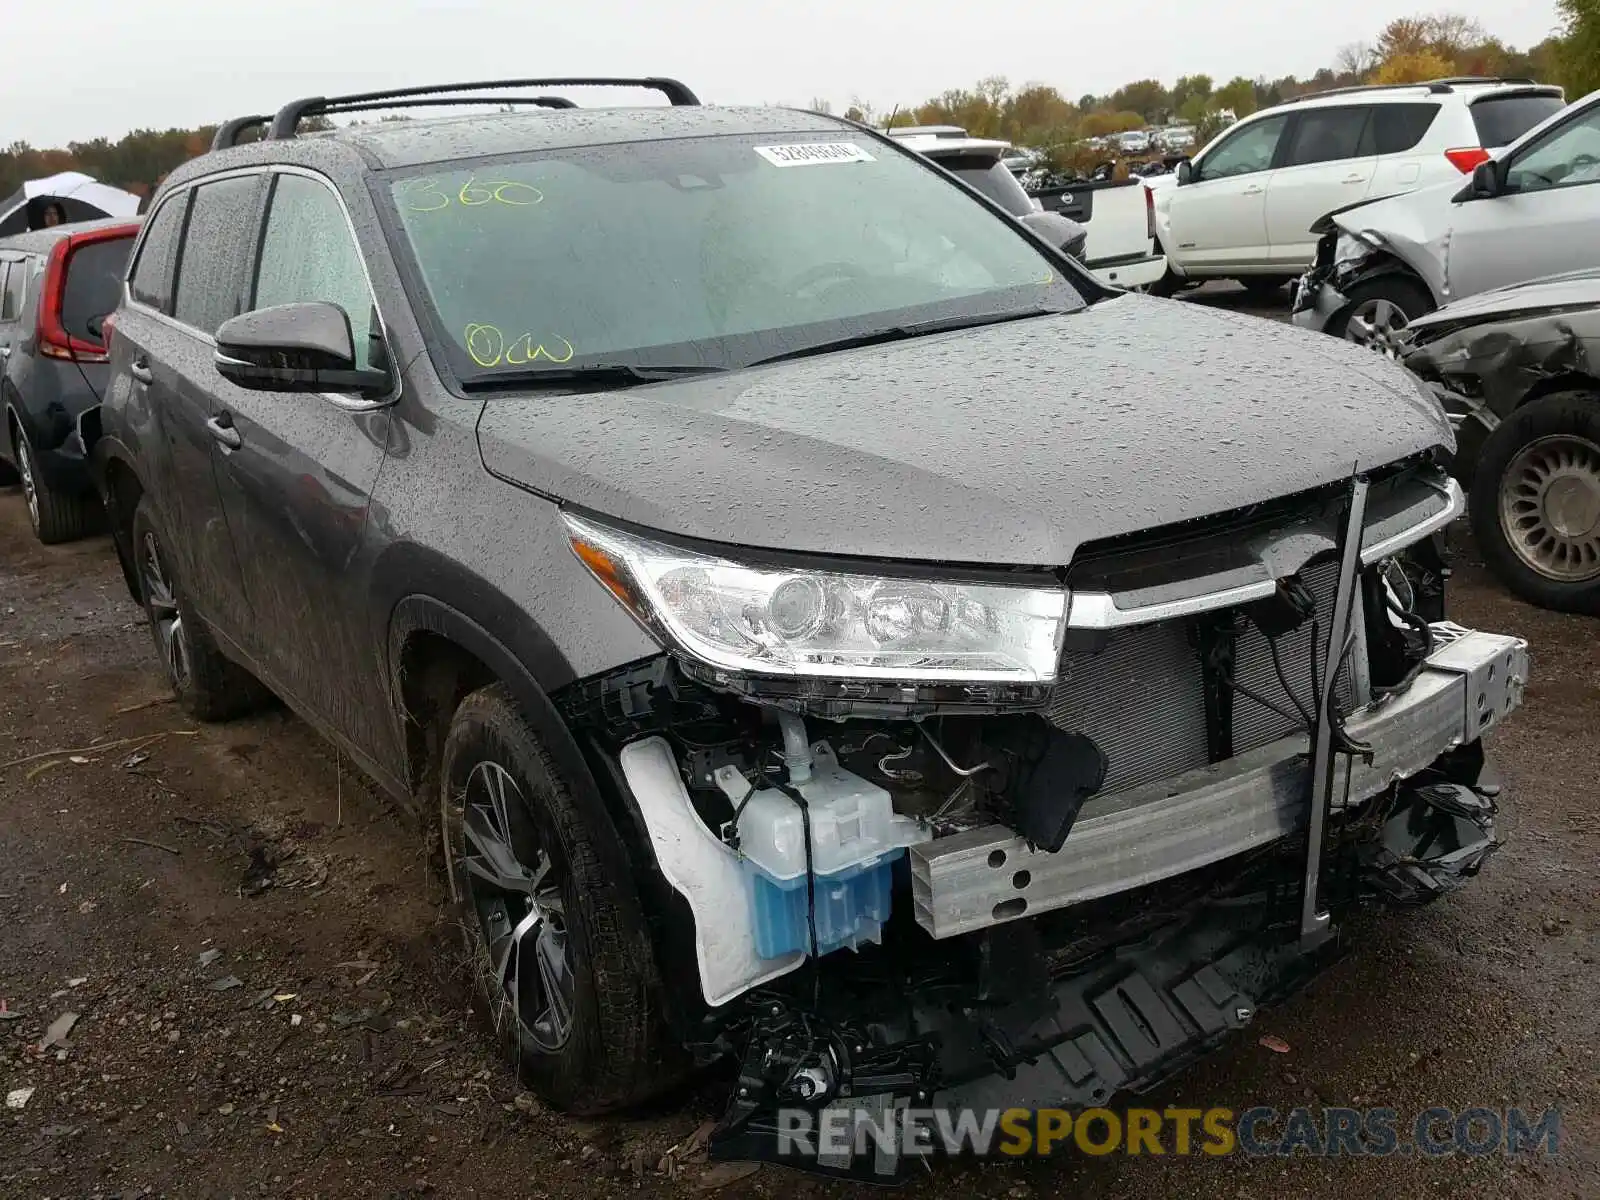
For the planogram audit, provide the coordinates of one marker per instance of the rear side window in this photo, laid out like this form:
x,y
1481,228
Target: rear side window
x,y
16,284
1397,128
94,284
1327,135
1501,120
989,176
151,282
216,243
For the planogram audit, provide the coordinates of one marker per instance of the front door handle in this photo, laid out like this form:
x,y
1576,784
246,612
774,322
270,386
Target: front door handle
x,y
1355,178
140,370
1255,189
221,427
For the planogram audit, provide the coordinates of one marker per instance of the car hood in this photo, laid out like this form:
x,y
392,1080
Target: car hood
x,y
1012,444
1572,289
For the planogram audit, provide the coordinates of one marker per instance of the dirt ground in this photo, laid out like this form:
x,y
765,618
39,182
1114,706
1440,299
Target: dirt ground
x,y
266,1005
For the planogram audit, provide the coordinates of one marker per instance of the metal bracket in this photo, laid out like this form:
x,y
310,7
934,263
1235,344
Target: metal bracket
x,y
1314,919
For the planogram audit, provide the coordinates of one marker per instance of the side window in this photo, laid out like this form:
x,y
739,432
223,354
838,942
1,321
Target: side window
x,y
1327,135
11,292
216,244
1397,128
1247,151
1565,157
151,281
308,252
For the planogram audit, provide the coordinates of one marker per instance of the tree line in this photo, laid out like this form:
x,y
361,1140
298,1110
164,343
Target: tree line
x,y
1407,50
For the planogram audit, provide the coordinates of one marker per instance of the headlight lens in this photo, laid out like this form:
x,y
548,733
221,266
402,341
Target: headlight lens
x,y
1352,247
778,621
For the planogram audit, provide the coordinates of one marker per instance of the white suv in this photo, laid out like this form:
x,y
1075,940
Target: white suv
x,y
1244,206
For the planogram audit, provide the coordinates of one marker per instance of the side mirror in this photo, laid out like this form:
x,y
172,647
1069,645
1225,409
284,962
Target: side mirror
x,y
304,347
1185,172
1061,232
1486,178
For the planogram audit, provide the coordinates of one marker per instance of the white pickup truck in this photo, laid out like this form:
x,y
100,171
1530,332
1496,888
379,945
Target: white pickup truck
x,y
1121,249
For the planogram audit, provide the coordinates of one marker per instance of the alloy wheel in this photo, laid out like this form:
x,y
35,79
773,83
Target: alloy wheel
x,y
513,887
30,490
1373,324
164,615
1550,507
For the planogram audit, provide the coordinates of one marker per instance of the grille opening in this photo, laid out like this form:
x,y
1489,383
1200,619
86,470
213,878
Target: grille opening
x,y
1141,696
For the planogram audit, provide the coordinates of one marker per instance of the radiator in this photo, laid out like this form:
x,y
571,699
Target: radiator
x,y
1141,697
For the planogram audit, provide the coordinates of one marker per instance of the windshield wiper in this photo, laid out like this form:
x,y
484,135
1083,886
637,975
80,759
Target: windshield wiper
x,y
900,333
601,373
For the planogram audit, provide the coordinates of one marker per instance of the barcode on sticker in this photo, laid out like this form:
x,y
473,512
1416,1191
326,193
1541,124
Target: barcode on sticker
x,y
813,154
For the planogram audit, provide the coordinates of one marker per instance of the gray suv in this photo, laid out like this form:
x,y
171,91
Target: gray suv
x,y
834,637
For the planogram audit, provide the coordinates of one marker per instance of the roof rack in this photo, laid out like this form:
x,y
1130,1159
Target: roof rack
x,y
1438,87
228,132
288,117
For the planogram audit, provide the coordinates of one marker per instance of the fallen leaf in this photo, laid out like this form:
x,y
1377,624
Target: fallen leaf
x,y
79,982
723,1174
19,1098
79,759
226,984
274,1127
225,1110
285,997
207,957
60,1029
1276,1044
133,760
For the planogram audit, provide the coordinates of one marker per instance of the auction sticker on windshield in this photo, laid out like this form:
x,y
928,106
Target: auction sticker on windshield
x,y
813,154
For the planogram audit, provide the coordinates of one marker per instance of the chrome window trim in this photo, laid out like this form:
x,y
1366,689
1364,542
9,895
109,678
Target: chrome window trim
x,y
340,400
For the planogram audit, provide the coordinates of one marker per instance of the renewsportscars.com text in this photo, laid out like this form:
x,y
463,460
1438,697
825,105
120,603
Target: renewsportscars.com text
x,y
1259,1132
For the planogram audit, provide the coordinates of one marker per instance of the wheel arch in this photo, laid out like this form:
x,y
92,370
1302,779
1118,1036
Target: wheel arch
x,y
438,653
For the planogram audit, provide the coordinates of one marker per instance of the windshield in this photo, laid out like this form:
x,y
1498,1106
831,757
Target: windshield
x,y
714,252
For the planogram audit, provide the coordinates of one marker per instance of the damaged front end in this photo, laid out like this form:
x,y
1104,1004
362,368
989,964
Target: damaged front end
x,y
1485,356
939,882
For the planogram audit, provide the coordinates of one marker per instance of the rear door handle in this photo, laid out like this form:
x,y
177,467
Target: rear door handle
x,y
221,427
140,370
1355,178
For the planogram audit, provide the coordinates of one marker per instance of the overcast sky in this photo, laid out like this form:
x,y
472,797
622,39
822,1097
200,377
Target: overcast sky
x,y
102,67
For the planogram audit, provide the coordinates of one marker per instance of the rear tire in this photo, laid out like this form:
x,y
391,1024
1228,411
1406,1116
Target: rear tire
x,y
560,956
1535,502
1380,307
209,686
56,516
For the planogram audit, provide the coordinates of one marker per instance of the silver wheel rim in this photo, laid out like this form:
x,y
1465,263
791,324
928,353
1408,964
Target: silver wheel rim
x,y
519,910
164,616
29,491
1550,507
1373,324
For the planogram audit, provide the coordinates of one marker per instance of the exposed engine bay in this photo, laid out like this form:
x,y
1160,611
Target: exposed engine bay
x,y
939,894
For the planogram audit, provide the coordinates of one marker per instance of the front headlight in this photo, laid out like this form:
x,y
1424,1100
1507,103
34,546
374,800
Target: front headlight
x,y
1352,247
776,620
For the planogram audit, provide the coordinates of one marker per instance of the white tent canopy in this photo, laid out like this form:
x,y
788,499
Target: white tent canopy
x,y
82,198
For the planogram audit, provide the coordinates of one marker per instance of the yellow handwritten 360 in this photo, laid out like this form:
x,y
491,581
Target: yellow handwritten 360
x,y
488,347
428,195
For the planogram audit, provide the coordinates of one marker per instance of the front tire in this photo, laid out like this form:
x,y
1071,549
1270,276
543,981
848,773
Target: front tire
x,y
208,685
1535,502
1380,308
560,957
